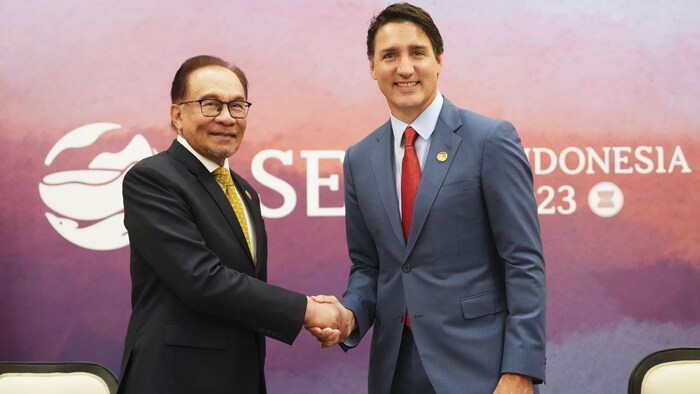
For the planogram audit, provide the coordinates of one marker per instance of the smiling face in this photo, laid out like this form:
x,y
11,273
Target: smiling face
x,y
214,138
405,68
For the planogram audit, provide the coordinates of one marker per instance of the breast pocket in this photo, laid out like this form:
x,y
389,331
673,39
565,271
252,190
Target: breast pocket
x,y
461,186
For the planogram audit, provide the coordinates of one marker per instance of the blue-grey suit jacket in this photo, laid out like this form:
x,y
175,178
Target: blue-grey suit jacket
x,y
472,271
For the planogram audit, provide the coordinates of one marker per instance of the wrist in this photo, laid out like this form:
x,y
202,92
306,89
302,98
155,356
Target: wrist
x,y
351,323
309,311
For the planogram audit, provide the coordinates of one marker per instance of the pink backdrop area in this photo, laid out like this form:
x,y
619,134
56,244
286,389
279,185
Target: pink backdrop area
x,y
615,81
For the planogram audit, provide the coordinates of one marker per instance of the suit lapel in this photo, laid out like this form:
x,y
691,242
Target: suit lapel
x,y
445,140
382,163
212,187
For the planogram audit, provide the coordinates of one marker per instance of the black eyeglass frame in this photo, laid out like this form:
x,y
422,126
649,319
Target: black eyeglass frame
x,y
228,105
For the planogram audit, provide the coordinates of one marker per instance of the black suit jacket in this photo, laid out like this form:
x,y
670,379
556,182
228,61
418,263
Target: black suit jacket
x,y
200,308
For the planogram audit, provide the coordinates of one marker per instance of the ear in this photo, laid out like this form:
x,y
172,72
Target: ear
x,y
371,69
438,59
176,118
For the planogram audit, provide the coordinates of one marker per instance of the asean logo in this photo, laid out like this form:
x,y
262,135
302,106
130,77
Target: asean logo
x,y
606,199
85,205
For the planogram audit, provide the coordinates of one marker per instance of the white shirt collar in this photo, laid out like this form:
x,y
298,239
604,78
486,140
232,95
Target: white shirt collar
x,y
424,125
208,163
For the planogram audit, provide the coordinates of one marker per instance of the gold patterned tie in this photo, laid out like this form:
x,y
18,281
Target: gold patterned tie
x,y
223,176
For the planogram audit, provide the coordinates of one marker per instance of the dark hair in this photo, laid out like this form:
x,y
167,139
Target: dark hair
x,y
180,82
404,12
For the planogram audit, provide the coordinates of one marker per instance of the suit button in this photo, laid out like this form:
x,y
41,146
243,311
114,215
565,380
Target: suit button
x,y
262,330
406,267
268,331
401,319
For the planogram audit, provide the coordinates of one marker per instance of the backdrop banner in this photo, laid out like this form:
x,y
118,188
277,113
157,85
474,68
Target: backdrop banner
x,y
604,94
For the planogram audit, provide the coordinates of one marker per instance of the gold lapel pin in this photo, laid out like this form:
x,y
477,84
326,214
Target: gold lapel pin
x,y
442,156
247,193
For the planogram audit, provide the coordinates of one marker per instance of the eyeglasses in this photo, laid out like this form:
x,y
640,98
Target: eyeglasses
x,y
212,108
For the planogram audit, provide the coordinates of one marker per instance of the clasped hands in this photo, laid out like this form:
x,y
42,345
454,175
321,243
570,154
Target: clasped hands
x,y
328,320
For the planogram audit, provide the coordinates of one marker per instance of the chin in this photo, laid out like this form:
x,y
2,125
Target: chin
x,y
409,102
222,154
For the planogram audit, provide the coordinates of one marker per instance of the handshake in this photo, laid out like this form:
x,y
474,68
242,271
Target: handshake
x,y
328,320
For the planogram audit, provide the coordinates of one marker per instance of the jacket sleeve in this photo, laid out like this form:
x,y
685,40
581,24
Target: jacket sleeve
x,y
512,209
361,293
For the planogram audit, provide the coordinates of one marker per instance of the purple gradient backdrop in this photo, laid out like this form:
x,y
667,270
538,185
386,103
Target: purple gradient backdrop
x,y
596,73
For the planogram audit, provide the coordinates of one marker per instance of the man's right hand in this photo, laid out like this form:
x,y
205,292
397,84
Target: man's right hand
x,y
328,320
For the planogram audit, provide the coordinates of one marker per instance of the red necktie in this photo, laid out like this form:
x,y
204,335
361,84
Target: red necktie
x,y
410,179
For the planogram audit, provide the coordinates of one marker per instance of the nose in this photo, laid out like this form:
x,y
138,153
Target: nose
x,y
405,66
225,116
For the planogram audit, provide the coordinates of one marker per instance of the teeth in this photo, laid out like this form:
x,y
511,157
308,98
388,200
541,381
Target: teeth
x,y
406,84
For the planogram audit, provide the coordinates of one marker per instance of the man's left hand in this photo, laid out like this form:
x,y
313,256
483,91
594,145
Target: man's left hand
x,y
511,383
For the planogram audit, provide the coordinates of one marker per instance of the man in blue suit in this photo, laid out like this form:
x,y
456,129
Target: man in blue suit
x,y
450,275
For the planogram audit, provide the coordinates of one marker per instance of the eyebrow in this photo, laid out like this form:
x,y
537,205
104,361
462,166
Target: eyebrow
x,y
425,47
410,48
212,96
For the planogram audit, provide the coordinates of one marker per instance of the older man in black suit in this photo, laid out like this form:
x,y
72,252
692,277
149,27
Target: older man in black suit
x,y
201,307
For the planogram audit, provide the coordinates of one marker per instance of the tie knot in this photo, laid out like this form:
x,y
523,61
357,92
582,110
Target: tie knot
x,y
410,136
223,176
